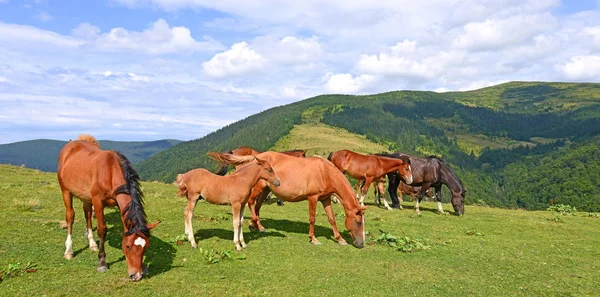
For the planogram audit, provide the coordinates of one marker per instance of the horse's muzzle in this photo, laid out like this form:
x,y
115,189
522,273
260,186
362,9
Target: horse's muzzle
x,y
276,183
136,277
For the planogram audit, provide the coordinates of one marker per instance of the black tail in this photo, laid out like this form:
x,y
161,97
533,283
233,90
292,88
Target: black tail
x,y
330,155
135,216
223,170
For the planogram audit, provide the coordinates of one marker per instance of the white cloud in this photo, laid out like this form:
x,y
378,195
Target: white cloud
x,y
240,59
86,31
582,68
290,49
347,84
594,34
160,38
12,34
495,34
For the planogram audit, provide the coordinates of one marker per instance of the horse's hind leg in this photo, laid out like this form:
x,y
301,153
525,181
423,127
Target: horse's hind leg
x,y
381,187
329,211
188,213
69,217
255,210
364,190
312,209
87,210
438,197
424,188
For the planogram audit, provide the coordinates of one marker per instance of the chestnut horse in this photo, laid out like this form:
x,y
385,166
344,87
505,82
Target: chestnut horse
x,y
313,179
430,172
246,151
102,178
369,168
232,189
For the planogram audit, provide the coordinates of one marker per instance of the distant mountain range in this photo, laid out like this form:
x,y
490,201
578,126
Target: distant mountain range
x,y
42,154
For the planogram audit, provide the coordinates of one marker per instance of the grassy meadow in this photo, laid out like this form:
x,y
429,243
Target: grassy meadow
x,y
488,252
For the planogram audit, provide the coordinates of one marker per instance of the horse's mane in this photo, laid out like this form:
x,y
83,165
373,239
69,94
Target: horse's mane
x,y
403,157
293,151
445,165
88,138
135,216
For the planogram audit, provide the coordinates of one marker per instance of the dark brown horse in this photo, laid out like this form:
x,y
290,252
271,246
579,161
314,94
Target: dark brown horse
x,y
232,189
430,172
369,168
313,179
102,178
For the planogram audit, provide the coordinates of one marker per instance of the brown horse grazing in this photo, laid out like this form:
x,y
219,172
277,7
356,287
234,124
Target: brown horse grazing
x,y
232,189
430,172
313,179
369,168
246,151
102,178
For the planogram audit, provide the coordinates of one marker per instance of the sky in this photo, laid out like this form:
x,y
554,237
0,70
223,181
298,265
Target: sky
x,y
180,69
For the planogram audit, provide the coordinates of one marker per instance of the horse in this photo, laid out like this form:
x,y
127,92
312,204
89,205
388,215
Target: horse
x,y
404,189
313,179
369,168
247,151
430,172
101,178
232,189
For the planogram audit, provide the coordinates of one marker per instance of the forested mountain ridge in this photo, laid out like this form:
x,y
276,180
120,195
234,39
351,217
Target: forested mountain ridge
x,y
42,154
486,135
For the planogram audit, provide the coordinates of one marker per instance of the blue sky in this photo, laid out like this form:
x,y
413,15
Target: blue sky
x,y
153,69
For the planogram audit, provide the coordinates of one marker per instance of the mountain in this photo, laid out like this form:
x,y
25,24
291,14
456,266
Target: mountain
x,y
517,145
42,154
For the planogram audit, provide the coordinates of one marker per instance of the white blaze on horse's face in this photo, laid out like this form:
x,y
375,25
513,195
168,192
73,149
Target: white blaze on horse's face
x,y
140,241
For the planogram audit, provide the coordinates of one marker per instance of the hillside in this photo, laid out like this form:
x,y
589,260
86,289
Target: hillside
x,y
484,134
42,154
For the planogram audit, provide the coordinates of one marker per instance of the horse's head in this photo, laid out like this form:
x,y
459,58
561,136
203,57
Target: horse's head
x,y
405,171
458,202
355,223
134,245
267,173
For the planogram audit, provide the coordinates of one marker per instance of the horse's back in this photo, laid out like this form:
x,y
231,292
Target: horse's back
x,y
82,165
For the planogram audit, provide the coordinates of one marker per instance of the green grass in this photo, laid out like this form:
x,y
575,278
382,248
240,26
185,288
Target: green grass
x,y
321,139
518,253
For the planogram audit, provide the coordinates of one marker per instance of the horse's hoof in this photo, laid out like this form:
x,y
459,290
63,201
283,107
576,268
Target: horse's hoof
x,y
417,211
342,242
68,256
94,248
389,208
102,269
316,242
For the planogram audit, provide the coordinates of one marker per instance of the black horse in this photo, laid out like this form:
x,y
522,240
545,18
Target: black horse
x,y
429,172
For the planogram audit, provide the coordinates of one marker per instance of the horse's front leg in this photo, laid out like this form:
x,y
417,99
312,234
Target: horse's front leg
x,y
438,197
236,210
329,211
365,189
312,209
99,211
87,210
69,217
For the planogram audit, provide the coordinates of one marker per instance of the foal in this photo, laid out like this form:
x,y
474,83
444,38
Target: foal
x,y
232,189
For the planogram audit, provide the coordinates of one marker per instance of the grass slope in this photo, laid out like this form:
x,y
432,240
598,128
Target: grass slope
x,y
321,139
488,252
42,154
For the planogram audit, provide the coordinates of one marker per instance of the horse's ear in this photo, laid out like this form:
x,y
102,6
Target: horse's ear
x,y
151,226
361,210
259,161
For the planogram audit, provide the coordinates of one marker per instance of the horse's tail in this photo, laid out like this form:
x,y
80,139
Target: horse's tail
x,y
135,216
88,138
223,170
182,188
230,158
330,156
